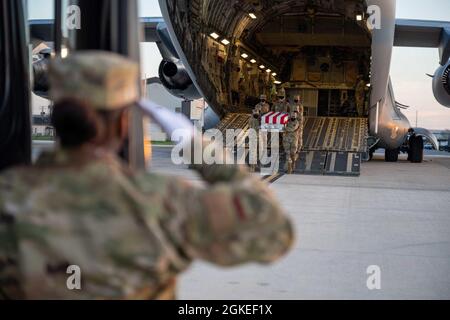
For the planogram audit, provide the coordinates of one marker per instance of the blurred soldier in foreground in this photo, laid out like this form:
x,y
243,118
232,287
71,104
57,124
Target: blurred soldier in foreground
x,y
290,142
130,233
298,107
255,124
263,107
281,105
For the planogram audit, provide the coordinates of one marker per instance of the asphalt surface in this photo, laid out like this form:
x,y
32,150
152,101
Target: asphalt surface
x,y
396,216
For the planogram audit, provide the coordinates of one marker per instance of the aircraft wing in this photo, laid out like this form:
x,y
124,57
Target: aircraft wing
x,y
43,29
151,28
424,33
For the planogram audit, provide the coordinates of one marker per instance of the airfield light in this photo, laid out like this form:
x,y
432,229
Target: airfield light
x,y
252,15
262,67
244,55
225,42
359,17
253,61
214,35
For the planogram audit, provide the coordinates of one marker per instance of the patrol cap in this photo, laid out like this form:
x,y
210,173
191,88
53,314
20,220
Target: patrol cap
x,y
102,79
263,97
281,93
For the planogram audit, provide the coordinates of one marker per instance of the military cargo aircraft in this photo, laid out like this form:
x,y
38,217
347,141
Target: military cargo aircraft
x,y
317,49
230,52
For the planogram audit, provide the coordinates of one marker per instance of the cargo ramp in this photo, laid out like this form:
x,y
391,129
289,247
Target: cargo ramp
x,y
331,145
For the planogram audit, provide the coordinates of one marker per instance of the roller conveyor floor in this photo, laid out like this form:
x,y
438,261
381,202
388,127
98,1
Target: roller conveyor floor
x,y
332,145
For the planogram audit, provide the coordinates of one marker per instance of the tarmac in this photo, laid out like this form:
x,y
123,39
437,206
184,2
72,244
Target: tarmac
x,y
395,216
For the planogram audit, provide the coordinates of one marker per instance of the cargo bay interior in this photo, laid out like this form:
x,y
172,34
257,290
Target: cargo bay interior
x,y
319,49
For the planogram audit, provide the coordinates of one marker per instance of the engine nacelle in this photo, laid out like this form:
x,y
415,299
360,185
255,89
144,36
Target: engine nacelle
x,y
41,62
176,80
441,85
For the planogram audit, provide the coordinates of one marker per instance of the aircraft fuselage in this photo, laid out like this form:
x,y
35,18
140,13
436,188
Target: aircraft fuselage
x,y
316,50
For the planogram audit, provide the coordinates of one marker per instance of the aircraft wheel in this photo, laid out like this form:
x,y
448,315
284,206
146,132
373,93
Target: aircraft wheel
x,y
416,150
391,155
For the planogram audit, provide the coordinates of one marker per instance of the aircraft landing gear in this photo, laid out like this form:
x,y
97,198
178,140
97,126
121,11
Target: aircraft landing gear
x,y
415,151
391,155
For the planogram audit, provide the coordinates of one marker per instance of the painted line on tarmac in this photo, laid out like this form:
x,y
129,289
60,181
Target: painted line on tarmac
x,y
273,178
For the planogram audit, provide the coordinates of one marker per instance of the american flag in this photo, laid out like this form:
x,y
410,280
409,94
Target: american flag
x,y
273,117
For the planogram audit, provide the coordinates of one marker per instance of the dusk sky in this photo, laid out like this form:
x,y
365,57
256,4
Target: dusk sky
x,y
408,69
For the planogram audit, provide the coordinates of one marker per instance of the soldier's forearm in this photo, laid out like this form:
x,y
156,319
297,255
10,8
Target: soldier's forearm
x,y
225,171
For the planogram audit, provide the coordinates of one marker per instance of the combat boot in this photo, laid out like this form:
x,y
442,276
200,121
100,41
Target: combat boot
x,y
289,168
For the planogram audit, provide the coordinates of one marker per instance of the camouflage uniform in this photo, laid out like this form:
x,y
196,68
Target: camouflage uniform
x,y
131,233
301,120
242,92
281,106
290,142
360,95
301,123
255,124
263,107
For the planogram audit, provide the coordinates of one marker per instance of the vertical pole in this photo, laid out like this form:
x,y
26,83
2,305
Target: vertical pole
x,y
57,27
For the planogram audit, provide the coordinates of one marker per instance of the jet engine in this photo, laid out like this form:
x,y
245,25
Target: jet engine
x,y
176,80
172,72
441,85
41,61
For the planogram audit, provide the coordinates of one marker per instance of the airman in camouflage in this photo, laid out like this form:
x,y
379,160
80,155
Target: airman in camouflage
x,y
290,142
281,105
130,233
255,124
298,107
360,95
263,107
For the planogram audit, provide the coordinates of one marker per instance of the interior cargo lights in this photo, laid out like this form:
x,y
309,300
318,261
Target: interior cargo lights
x,y
214,35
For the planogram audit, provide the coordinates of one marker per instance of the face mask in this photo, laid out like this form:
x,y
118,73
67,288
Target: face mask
x,y
296,101
255,116
293,119
263,101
